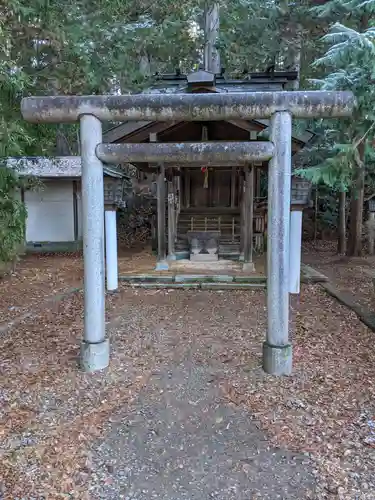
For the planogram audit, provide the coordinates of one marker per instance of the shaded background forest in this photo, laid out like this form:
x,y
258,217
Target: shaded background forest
x,y
80,47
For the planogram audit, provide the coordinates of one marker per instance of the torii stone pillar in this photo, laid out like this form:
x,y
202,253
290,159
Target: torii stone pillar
x,y
95,346
277,350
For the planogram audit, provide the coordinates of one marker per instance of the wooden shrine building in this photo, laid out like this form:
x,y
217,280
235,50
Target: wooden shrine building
x,y
226,202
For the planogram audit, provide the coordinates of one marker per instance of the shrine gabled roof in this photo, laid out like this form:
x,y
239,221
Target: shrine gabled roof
x,y
180,84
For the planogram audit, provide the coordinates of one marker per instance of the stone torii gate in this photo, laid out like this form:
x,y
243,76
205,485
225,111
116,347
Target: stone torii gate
x,y
280,107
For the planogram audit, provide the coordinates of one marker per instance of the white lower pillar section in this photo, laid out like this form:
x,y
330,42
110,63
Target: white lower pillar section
x,y
111,249
295,251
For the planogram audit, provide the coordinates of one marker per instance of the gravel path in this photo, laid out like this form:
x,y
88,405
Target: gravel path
x,y
183,441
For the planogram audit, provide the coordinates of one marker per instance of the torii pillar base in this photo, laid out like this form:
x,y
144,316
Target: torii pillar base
x,y
277,360
94,357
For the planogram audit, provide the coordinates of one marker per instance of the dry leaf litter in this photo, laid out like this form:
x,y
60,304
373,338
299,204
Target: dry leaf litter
x,y
51,412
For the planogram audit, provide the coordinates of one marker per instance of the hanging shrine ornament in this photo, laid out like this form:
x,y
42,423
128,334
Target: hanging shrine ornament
x,y
205,182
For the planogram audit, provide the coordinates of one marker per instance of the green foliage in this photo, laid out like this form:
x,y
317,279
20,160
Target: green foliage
x,y
12,216
349,64
107,46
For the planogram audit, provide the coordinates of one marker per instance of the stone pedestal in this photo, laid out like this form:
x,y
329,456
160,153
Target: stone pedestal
x,y
204,245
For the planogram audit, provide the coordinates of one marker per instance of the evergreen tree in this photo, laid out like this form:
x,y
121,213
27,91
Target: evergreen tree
x,y
349,64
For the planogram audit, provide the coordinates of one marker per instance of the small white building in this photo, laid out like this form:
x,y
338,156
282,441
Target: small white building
x,y
54,209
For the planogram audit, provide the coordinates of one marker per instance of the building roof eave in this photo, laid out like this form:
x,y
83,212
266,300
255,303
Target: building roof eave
x,y
60,167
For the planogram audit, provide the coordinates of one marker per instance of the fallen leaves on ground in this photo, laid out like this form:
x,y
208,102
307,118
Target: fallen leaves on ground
x,y
327,408
50,411
350,274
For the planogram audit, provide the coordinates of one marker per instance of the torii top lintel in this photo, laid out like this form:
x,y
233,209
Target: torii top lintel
x,y
188,107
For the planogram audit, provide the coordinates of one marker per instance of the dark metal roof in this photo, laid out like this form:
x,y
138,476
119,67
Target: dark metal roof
x,y
261,77
266,81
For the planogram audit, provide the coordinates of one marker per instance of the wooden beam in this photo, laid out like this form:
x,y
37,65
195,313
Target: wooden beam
x,y
116,133
251,126
142,134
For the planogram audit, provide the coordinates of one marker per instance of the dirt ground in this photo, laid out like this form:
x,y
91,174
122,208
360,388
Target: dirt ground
x,y
197,353
354,275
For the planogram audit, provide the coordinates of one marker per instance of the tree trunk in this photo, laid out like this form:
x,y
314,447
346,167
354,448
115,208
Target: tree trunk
x,y
358,189
341,240
62,144
211,33
295,49
356,205
316,214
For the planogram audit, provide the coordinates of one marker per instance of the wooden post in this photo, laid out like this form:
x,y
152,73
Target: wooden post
x,y
171,221
248,219
242,217
161,264
371,232
177,190
233,187
257,182
187,187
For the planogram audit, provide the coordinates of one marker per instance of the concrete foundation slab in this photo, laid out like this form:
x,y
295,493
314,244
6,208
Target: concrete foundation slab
x,y
166,285
221,265
146,278
201,278
250,279
162,266
222,278
204,257
233,286
311,275
277,360
94,357
188,278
